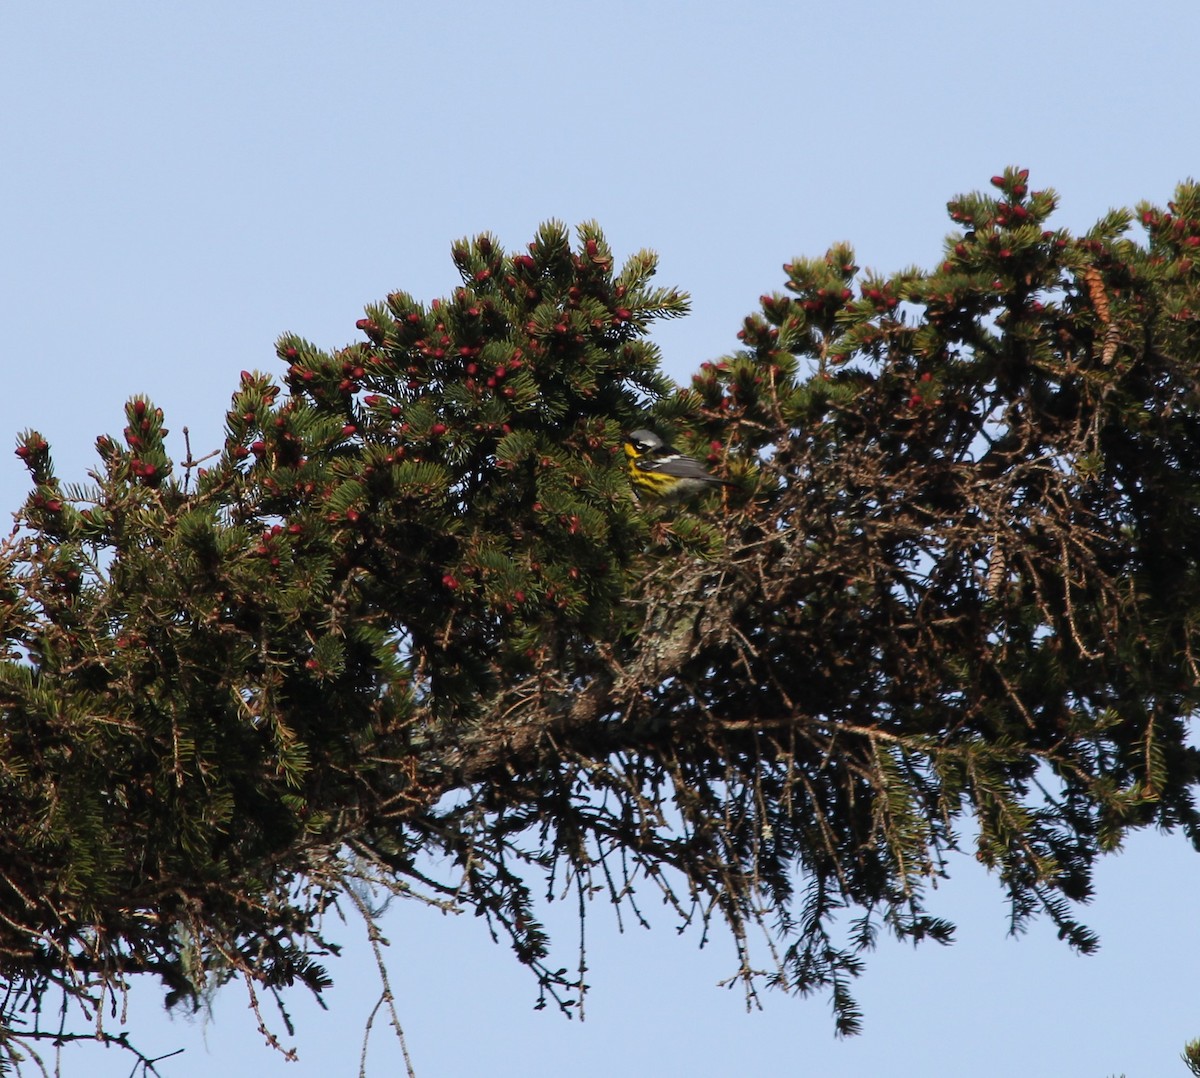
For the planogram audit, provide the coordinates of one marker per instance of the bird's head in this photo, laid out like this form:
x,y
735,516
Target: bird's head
x,y
640,442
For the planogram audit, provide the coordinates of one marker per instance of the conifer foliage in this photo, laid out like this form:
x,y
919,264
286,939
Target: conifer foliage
x,y
410,616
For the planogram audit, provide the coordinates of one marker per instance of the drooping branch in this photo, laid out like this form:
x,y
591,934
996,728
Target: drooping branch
x,y
411,611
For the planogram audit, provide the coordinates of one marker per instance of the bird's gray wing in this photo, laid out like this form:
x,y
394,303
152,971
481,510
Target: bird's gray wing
x,y
681,467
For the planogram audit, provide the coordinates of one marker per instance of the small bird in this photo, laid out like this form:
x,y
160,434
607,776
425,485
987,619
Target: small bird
x,y
660,472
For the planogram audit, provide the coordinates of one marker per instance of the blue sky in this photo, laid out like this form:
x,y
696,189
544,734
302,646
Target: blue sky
x,y
182,183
